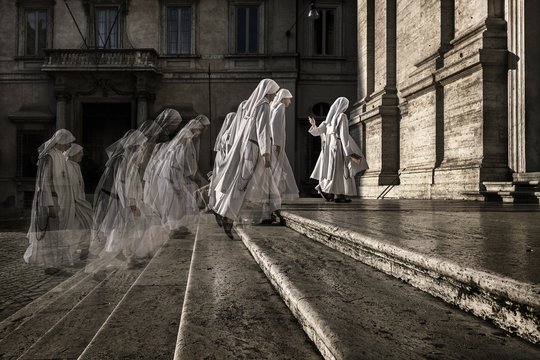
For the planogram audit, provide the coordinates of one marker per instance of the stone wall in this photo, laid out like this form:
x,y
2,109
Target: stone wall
x,y
37,98
450,107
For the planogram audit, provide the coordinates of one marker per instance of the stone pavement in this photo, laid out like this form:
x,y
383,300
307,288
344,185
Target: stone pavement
x,y
21,283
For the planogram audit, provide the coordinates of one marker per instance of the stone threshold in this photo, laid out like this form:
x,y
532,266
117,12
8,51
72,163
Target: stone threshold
x,y
511,305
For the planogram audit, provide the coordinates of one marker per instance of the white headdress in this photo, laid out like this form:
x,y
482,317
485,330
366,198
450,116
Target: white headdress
x,y
338,107
265,86
61,136
281,94
74,149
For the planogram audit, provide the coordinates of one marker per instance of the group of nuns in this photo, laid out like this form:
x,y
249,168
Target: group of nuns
x,y
151,188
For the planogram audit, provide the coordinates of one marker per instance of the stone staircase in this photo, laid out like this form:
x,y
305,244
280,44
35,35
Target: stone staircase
x,y
264,297
352,311
199,297
516,191
128,314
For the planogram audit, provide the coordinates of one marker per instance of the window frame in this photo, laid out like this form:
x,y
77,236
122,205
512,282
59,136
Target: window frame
x,y
118,25
338,31
191,31
164,27
23,7
233,24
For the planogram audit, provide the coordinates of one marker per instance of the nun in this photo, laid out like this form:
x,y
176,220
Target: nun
x,y
340,159
106,201
222,146
52,207
246,174
282,172
168,121
78,231
178,182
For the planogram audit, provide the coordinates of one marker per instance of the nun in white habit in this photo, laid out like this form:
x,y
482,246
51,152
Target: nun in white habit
x,y
106,201
78,231
128,221
222,145
177,182
281,168
246,174
341,158
168,120
53,206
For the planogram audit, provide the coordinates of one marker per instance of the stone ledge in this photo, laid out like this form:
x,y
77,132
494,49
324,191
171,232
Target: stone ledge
x,y
510,304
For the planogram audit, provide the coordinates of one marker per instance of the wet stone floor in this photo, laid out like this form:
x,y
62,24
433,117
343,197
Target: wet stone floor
x,y
494,237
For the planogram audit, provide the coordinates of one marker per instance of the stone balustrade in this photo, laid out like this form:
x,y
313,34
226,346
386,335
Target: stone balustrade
x,y
100,59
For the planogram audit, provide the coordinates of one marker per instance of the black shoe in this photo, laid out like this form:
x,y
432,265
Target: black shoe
x,y
219,218
327,196
99,275
84,254
227,227
51,271
266,222
342,199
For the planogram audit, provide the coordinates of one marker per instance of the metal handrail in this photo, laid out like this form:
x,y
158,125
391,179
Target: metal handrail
x,y
390,186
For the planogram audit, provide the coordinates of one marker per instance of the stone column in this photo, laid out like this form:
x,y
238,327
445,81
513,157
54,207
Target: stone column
x,y
143,97
142,108
380,113
61,100
494,58
62,97
516,84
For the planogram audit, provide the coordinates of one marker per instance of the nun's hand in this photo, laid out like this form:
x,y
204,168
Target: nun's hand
x,y
53,212
135,210
312,121
267,162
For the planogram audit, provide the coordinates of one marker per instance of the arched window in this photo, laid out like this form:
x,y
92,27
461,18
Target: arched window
x,y
321,109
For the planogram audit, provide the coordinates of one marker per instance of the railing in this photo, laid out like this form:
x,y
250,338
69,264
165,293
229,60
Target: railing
x,y
391,185
100,59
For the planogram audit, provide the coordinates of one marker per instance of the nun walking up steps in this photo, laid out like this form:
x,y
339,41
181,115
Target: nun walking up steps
x,y
246,174
179,179
78,231
282,172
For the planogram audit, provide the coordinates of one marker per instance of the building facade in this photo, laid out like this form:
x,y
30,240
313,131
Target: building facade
x,y
100,67
448,95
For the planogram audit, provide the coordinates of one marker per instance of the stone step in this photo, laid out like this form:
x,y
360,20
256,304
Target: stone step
x,y
231,310
352,311
494,186
24,328
20,317
518,191
511,304
70,336
145,323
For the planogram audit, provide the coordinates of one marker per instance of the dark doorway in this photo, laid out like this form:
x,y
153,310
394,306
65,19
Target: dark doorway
x,y
103,124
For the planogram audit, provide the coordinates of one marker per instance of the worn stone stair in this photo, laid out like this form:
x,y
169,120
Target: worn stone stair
x,y
22,329
144,324
129,314
510,304
228,311
517,191
352,311
231,310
